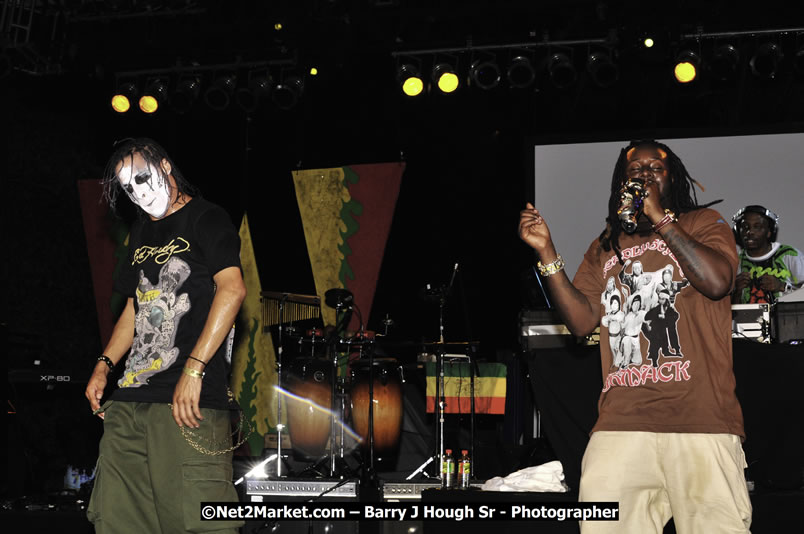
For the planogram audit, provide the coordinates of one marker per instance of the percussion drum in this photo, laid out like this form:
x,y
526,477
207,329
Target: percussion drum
x,y
308,417
387,404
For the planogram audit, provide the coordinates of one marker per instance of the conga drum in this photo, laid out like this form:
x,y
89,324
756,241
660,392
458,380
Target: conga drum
x,y
387,378
309,406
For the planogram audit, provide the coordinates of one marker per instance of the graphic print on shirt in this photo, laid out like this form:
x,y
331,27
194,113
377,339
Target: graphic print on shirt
x,y
772,266
641,318
157,320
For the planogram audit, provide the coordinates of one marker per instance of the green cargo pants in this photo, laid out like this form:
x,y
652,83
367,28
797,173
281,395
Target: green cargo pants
x,y
149,479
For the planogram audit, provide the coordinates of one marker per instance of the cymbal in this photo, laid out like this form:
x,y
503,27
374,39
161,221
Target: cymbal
x,y
338,297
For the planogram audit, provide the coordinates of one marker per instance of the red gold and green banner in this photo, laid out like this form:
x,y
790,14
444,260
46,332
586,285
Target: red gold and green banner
x,y
253,359
346,213
489,388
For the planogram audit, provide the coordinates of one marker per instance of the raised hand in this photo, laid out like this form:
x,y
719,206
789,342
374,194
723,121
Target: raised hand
x,y
533,230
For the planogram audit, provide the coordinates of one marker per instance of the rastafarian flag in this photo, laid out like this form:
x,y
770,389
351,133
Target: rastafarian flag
x,y
490,388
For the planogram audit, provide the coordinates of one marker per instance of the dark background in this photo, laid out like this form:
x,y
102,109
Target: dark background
x,y
468,155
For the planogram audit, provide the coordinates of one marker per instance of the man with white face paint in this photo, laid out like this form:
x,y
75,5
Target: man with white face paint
x,y
147,186
166,440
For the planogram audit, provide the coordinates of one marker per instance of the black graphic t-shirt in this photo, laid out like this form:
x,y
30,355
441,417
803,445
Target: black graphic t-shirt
x,y
665,348
169,272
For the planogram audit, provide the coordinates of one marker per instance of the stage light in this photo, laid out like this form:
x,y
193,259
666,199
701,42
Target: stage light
x,y
765,62
520,72
724,62
219,94
686,67
562,71
409,79
287,92
445,78
602,69
185,94
249,98
154,96
125,94
313,71
484,73
648,42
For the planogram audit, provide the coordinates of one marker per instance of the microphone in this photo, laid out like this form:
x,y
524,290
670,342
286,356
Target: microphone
x,y
632,199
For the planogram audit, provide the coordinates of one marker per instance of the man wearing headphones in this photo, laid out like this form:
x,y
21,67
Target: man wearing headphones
x,y
767,268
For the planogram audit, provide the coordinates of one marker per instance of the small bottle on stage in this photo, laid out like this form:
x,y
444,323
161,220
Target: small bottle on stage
x,y
448,470
464,470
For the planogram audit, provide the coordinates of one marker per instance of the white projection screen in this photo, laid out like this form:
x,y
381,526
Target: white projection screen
x,y
572,183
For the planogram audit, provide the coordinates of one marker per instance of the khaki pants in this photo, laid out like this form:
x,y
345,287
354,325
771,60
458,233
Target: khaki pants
x,y
697,479
150,480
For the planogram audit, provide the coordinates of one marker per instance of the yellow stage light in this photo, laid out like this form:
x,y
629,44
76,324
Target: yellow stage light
x,y
648,42
685,72
155,94
121,101
413,86
409,79
445,78
148,104
448,82
686,68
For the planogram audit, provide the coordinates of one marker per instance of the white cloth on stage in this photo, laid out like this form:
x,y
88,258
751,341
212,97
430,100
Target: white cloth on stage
x,y
548,477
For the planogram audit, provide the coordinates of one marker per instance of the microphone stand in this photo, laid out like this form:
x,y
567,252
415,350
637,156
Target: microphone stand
x,y
279,425
334,386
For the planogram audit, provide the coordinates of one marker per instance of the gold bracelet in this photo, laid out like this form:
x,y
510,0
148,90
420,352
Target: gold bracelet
x,y
192,372
551,268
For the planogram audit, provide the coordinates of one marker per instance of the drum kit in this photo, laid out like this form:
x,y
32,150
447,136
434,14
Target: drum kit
x,y
323,399
337,395
342,393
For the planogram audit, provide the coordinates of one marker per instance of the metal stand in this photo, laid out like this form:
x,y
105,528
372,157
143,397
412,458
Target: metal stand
x,y
279,425
332,347
342,300
275,312
440,350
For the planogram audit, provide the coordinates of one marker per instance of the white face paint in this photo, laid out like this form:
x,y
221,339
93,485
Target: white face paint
x,y
145,186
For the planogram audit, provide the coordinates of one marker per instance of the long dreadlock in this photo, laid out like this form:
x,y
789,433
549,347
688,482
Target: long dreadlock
x,y
152,153
682,192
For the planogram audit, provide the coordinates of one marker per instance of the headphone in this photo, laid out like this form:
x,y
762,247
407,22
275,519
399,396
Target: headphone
x,y
737,219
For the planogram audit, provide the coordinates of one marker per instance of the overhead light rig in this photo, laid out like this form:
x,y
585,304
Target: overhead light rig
x,y
690,57
514,65
247,85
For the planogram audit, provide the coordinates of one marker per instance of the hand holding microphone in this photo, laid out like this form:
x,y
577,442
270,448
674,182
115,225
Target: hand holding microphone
x,y
632,199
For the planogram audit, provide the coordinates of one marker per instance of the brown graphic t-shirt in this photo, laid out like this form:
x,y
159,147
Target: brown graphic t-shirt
x,y
665,348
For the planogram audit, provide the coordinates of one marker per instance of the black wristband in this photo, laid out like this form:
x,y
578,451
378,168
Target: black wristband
x,y
196,359
105,359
